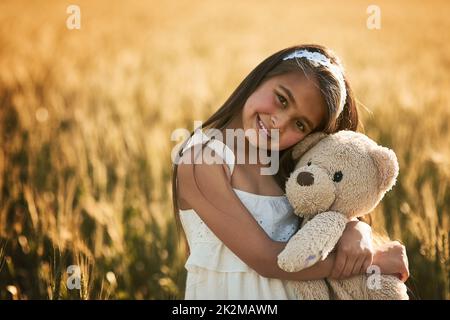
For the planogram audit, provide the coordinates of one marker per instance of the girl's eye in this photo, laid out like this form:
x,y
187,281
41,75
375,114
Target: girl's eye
x,y
309,163
337,176
300,126
282,100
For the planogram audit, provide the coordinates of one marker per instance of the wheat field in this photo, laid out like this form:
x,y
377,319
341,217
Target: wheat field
x,y
86,118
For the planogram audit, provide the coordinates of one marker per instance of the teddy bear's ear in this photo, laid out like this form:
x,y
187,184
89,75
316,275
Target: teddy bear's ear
x,y
387,165
310,141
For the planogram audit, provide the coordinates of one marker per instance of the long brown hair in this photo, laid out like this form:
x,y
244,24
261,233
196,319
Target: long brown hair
x,y
274,66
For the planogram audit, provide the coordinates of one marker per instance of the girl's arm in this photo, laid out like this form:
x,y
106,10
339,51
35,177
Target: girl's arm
x,y
391,258
354,251
206,188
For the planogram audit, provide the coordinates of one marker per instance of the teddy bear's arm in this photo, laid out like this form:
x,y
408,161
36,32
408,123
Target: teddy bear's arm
x,y
313,242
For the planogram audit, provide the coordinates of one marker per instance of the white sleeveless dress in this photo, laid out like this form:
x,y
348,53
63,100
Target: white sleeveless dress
x,y
214,271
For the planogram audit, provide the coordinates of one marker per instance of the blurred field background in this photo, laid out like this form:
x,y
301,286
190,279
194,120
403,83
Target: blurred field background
x,y
86,118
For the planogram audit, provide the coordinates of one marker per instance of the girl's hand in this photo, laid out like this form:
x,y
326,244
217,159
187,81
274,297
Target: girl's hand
x,y
391,258
354,252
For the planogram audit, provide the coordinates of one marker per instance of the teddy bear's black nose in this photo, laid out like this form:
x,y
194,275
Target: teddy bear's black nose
x,y
305,178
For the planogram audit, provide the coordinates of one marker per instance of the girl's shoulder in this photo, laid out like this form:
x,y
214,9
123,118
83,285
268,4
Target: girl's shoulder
x,y
204,171
209,150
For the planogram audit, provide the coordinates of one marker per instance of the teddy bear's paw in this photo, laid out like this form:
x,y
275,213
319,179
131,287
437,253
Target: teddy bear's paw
x,y
294,258
286,263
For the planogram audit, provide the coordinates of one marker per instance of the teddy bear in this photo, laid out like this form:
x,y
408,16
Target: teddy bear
x,y
337,178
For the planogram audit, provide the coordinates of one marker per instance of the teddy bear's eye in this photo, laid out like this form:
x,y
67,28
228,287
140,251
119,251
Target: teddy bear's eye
x,y
309,163
337,176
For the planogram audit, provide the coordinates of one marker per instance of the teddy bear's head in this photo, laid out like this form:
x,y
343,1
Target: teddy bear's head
x,y
345,172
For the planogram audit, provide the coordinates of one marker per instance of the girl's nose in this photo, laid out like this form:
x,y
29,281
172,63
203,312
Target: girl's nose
x,y
279,121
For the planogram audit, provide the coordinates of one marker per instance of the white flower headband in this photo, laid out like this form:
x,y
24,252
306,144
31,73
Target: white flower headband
x,y
316,58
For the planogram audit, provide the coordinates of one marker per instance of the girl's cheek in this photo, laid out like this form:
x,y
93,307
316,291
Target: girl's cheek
x,y
268,108
266,104
290,139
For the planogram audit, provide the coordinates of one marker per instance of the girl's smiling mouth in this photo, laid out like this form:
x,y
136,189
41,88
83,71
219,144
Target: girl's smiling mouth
x,y
261,125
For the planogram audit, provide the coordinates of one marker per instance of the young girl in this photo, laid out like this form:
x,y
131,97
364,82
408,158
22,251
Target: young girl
x,y
237,220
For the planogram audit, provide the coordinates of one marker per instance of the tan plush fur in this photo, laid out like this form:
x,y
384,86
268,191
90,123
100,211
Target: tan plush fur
x,y
337,177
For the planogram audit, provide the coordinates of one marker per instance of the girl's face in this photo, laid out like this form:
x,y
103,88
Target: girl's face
x,y
291,103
